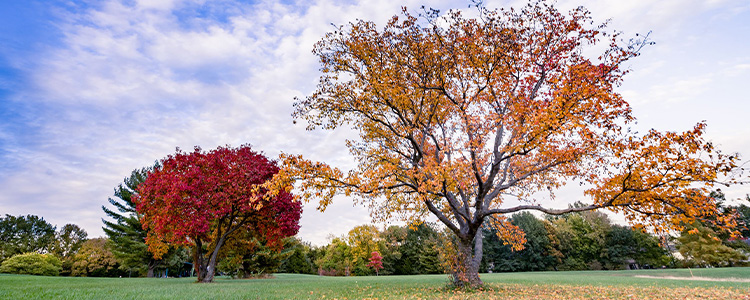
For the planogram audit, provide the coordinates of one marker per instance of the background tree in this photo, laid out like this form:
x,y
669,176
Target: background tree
x,y
700,247
420,250
337,259
535,255
625,245
743,221
363,240
24,234
126,233
68,240
300,261
376,262
466,118
32,263
393,238
94,259
199,199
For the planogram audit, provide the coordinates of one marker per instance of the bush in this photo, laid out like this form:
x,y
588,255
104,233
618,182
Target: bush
x,y
33,264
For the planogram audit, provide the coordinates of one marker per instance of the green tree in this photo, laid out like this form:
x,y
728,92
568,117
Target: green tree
x,y
649,249
68,241
700,246
337,259
126,234
419,250
625,244
247,255
578,243
23,234
535,255
32,263
299,261
392,238
94,259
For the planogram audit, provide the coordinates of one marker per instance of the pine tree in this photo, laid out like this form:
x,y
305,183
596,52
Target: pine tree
x,y
127,236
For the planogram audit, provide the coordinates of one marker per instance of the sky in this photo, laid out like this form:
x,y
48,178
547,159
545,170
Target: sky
x,y
91,90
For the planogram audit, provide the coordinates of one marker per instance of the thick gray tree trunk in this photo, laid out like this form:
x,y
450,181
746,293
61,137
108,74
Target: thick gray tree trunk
x,y
466,272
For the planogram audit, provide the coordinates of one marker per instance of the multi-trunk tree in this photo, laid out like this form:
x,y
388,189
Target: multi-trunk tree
x,y
201,198
467,118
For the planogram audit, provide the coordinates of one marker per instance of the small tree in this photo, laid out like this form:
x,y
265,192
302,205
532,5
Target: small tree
x,y
95,259
700,246
376,262
32,263
199,199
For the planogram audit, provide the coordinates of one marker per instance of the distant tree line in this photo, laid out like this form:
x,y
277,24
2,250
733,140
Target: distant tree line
x,y
575,241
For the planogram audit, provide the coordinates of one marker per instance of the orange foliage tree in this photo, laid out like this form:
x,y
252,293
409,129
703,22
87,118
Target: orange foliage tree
x,y
467,118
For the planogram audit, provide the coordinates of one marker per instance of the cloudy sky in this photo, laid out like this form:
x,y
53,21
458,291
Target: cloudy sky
x,y
90,90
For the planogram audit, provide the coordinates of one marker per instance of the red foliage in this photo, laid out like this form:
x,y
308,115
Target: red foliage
x,y
200,198
376,261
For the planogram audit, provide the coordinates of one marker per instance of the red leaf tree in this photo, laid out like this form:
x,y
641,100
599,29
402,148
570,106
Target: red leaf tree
x,y
199,199
376,262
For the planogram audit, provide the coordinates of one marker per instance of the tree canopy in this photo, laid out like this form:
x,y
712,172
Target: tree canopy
x,y
201,198
467,118
23,234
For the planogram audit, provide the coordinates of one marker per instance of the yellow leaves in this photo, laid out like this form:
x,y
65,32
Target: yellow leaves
x,y
156,246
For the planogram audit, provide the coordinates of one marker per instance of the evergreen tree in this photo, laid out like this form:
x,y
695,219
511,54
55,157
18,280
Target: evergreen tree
x,y
418,253
126,235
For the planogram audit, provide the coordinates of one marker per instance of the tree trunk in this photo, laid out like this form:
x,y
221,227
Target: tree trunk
x,y
198,261
208,266
152,264
468,258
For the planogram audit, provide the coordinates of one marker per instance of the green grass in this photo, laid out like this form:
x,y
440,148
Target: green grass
x,y
531,285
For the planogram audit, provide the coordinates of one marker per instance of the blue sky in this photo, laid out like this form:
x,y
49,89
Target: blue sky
x,y
90,90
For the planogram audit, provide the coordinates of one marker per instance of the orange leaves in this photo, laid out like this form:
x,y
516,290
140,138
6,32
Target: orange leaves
x,y
454,112
510,234
317,180
663,178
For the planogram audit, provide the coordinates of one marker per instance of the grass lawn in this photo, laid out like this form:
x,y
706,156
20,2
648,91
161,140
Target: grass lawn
x,y
531,285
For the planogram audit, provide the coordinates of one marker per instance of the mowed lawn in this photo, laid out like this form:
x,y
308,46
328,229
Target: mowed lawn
x,y
531,285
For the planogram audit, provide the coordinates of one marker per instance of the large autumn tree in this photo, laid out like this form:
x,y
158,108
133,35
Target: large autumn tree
x,y
199,199
468,118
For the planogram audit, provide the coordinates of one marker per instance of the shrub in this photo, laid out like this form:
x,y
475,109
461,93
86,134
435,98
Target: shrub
x,y
33,264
